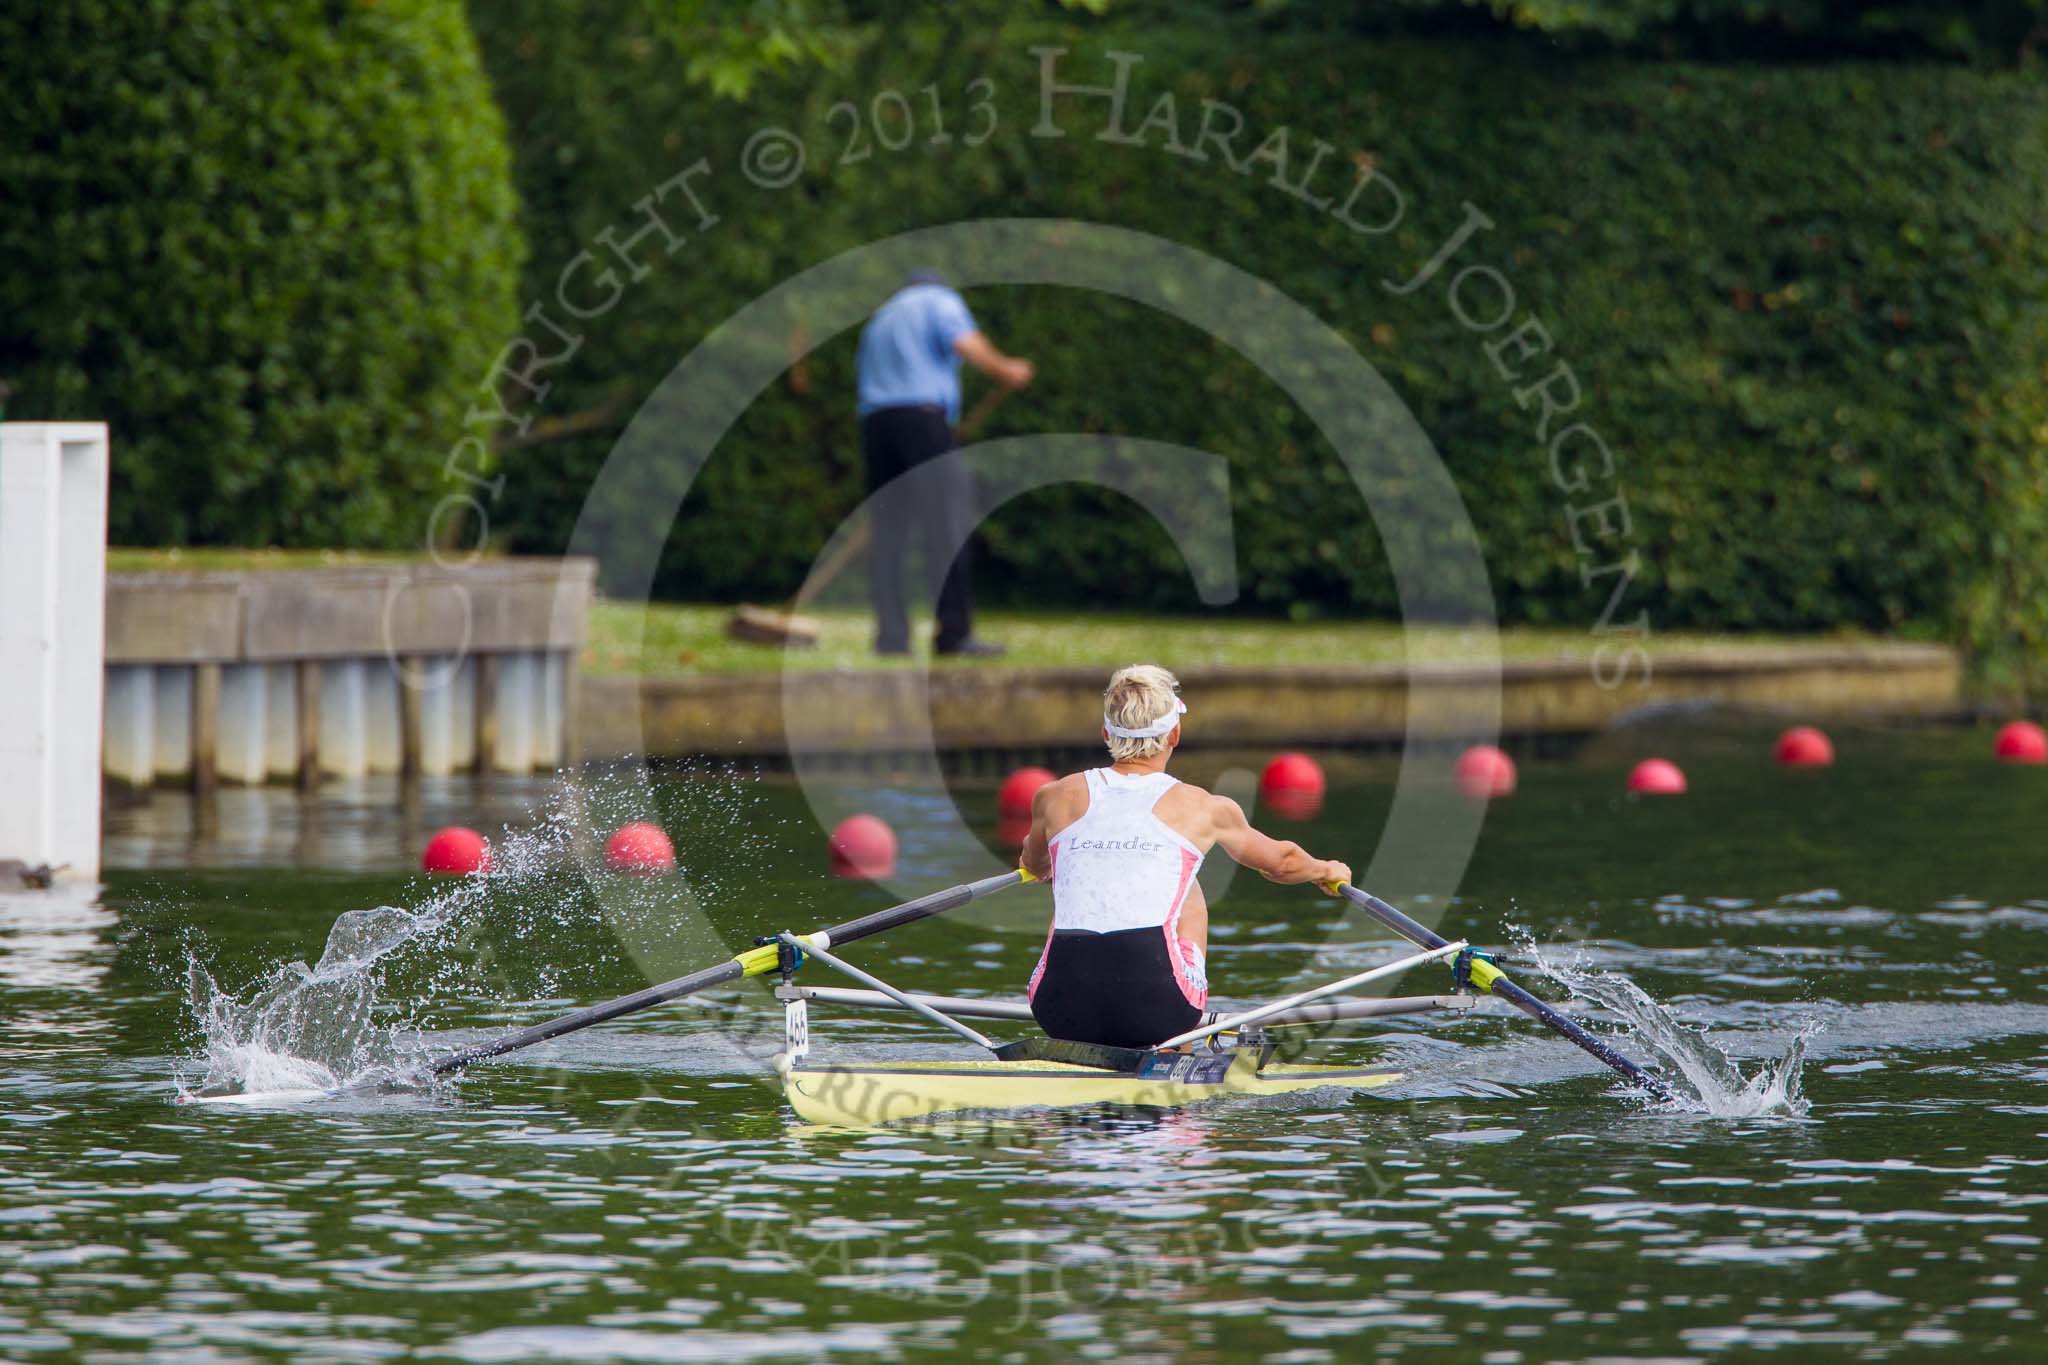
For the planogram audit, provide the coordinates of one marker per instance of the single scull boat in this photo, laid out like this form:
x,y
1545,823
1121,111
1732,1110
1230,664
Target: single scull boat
x,y
1230,1055
1046,1073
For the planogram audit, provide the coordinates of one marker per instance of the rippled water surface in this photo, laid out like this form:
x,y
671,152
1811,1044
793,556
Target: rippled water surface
x,y
640,1192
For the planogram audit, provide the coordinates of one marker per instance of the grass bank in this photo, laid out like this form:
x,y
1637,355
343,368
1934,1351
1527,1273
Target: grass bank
x,y
227,559
669,637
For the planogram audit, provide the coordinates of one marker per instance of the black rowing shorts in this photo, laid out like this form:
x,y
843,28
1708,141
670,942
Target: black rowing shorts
x,y
1120,989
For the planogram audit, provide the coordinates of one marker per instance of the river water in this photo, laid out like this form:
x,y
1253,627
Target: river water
x,y
639,1192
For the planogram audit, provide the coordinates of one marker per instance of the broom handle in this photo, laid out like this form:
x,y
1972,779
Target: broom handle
x,y
857,539
983,409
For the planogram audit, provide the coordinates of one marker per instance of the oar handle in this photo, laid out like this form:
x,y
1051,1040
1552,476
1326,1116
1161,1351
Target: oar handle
x,y
1419,934
1494,981
753,962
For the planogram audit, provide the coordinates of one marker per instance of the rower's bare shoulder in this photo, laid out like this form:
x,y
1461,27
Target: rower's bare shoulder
x,y
1062,795
1186,803
1073,784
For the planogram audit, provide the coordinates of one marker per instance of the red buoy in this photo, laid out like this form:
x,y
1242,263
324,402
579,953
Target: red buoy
x,y
457,850
1014,797
640,848
1802,746
2021,741
1013,829
1484,772
863,846
1292,773
1656,777
1292,786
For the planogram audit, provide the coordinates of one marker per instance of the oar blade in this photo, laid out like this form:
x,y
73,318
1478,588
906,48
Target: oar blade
x,y
1490,979
1546,1014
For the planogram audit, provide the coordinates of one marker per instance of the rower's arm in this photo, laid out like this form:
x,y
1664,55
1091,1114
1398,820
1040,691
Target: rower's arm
x,y
1037,856
1277,860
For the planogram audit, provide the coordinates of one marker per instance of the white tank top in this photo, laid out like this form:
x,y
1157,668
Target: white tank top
x,y
1120,866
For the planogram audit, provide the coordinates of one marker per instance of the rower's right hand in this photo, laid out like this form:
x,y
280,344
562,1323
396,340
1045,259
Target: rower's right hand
x,y
1333,873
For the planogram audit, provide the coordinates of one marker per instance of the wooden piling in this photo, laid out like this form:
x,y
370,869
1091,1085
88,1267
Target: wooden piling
x,y
486,713
411,672
309,723
205,728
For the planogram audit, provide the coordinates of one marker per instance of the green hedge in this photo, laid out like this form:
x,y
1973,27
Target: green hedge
x,y
1806,306
273,243
1989,32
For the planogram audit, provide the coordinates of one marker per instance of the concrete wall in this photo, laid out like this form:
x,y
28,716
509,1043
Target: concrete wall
x,y
983,708
296,674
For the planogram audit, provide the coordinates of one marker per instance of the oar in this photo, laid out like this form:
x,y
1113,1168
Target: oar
x,y
753,962
1494,981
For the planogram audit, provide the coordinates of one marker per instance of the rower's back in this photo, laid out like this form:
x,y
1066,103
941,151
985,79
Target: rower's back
x,y
1117,967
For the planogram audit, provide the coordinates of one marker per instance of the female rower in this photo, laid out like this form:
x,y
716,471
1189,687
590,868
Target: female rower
x,y
1125,960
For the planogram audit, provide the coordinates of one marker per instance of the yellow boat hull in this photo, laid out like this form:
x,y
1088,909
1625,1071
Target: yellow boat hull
x,y
869,1094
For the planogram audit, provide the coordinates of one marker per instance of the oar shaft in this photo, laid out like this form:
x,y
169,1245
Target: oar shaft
x,y
729,970
1261,1013
1494,982
937,903
1419,934
754,962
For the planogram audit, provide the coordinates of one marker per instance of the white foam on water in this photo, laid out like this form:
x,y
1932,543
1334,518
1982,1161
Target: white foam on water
x,y
304,1032
1703,1078
312,1028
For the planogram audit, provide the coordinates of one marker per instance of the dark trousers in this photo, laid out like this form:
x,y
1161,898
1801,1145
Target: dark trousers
x,y
939,504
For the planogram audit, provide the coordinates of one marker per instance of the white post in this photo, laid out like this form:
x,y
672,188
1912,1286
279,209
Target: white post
x,y
280,721
344,731
382,746
518,689
436,677
243,711
172,723
53,591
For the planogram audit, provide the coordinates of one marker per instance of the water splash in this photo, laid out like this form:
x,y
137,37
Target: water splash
x,y
331,1025
1703,1078
363,1015
311,1028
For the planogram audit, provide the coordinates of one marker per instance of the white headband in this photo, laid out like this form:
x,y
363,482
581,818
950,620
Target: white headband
x,y
1153,731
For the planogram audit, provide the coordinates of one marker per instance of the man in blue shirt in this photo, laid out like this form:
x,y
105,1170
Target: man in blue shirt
x,y
910,354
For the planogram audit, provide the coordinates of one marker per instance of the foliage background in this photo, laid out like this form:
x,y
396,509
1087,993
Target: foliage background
x,y
273,244
1793,253
1805,303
